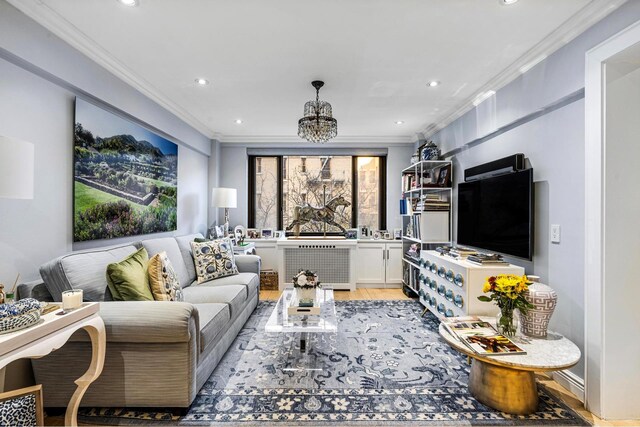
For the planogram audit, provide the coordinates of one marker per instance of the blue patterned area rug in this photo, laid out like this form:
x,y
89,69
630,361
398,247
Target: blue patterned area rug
x,y
386,366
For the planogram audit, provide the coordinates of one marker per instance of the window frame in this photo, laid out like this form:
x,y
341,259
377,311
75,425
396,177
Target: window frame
x,y
382,200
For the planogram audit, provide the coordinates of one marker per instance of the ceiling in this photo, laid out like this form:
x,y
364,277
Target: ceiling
x,y
260,56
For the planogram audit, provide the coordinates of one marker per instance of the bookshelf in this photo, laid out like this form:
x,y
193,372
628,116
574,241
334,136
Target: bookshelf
x,y
425,209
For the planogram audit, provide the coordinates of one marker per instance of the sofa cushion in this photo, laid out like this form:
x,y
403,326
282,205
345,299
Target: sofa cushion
x,y
170,246
233,295
214,318
184,243
128,280
250,281
163,279
83,270
213,259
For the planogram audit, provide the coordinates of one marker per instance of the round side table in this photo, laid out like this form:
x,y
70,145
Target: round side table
x,y
507,382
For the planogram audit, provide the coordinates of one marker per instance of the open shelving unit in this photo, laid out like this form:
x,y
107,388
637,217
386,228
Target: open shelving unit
x,y
426,218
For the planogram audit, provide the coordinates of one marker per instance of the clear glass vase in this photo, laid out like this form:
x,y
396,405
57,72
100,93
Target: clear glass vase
x,y
507,322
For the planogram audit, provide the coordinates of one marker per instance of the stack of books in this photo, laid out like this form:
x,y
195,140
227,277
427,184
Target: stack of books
x,y
480,336
460,252
432,202
486,259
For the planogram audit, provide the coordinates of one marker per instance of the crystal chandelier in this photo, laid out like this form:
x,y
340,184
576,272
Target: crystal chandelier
x,y
317,125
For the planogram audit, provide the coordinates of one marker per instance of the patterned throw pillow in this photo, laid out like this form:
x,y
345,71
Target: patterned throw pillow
x,y
213,259
163,279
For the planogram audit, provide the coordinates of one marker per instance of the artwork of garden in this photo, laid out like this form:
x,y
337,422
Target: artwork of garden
x,y
125,178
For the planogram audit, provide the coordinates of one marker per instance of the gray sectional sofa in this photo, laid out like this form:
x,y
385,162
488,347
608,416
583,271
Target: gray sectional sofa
x,y
159,354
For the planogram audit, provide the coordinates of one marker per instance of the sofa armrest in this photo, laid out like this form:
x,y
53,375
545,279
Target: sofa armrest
x,y
248,263
148,322
35,289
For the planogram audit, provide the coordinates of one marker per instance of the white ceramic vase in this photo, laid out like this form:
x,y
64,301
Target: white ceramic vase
x,y
544,298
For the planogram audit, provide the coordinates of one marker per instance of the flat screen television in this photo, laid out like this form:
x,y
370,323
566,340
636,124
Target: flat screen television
x,y
496,214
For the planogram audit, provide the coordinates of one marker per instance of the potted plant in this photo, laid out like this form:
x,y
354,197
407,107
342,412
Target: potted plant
x,y
508,292
305,284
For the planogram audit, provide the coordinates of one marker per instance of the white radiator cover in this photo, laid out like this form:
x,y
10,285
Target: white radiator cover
x,y
333,262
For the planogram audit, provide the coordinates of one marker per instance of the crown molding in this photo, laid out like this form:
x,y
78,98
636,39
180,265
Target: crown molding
x,y
282,140
59,26
570,29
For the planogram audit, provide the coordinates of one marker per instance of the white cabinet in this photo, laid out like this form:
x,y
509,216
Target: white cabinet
x,y
268,252
450,287
379,264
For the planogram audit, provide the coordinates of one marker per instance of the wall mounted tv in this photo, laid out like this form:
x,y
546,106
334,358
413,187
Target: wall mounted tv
x,y
496,214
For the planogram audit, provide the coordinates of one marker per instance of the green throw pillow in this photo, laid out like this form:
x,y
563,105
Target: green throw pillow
x,y
128,279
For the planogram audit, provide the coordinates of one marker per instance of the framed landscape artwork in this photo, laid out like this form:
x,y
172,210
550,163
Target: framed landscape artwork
x,y
125,177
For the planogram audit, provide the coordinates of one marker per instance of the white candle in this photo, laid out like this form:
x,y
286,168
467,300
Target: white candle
x,y
71,299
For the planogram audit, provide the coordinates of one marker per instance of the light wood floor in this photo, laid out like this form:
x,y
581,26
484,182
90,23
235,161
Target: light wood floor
x,y
396,294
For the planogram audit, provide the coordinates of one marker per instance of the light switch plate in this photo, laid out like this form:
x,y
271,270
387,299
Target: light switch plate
x,y
555,233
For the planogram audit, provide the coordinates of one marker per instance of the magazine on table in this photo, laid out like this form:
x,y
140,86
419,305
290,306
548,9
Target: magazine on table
x,y
480,336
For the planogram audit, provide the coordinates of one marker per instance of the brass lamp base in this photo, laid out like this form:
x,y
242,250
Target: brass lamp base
x,y
508,390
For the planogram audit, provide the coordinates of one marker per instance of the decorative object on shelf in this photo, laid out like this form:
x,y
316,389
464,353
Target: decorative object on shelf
x,y
226,198
325,214
253,233
444,176
364,232
305,284
508,292
22,407
397,233
19,315
543,299
414,251
318,124
125,177
430,151
351,233
376,235
266,233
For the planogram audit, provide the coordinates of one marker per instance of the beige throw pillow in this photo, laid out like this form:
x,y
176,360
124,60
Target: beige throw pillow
x,y
213,259
163,279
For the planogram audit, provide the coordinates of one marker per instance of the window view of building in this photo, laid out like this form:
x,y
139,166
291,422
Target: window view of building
x,y
307,181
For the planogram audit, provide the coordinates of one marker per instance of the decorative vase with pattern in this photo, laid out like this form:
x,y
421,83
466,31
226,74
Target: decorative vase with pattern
x,y
430,151
536,321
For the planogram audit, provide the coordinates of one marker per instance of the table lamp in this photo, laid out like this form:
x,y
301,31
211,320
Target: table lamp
x,y
16,168
226,198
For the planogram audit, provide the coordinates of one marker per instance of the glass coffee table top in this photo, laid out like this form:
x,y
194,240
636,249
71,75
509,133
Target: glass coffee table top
x,y
325,322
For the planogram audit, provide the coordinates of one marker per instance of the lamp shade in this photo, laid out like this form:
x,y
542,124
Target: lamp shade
x,y
16,168
224,197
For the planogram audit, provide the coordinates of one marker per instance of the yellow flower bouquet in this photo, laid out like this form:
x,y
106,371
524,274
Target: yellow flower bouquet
x,y
507,291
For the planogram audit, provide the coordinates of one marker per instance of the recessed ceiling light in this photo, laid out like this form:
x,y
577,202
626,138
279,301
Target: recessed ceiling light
x,y
202,82
238,121
507,2
129,2
399,122
433,83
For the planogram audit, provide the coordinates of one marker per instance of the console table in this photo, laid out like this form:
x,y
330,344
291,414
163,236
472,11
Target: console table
x,y
51,333
507,382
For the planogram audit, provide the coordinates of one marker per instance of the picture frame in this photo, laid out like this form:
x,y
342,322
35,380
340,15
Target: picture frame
x,y
387,235
444,176
28,410
253,233
397,233
376,235
351,234
219,231
266,233
278,234
364,232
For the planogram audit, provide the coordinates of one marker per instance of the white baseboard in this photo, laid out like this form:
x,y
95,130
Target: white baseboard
x,y
571,382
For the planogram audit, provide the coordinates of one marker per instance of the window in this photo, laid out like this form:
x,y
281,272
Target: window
x,y
279,185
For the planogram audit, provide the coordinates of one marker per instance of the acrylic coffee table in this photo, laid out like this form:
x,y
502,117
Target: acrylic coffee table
x,y
507,382
326,322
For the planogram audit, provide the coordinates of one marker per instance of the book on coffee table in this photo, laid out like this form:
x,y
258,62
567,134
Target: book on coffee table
x,y
480,336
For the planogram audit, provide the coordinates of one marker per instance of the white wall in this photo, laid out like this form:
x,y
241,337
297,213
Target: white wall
x,y
622,246
234,173
554,145
36,105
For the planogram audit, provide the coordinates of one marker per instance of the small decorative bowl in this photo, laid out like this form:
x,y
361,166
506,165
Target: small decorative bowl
x,y
21,321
